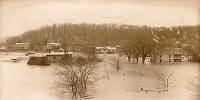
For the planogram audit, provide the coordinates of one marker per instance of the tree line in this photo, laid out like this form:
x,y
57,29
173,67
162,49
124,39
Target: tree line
x,y
134,40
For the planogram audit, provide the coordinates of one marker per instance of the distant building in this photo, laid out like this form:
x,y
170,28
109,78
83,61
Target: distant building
x,y
22,45
111,50
53,57
101,50
169,55
117,46
106,50
53,46
3,47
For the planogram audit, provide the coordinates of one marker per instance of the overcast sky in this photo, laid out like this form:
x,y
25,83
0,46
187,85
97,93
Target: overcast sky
x,y
18,16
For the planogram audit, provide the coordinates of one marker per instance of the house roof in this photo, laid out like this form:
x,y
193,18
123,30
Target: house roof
x,y
117,46
21,43
99,47
110,47
53,43
59,53
38,55
49,54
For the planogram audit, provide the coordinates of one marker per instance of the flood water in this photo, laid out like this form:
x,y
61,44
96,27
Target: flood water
x,y
19,81
22,82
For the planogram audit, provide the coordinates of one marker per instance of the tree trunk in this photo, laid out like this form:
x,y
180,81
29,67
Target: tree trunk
x,y
143,59
117,64
129,58
167,84
137,59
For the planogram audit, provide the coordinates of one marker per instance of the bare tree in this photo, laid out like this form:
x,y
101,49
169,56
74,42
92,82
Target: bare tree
x,y
144,43
127,49
77,75
115,61
165,75
194,86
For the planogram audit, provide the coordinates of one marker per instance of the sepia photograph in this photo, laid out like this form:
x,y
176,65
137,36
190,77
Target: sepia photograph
x,y
99,49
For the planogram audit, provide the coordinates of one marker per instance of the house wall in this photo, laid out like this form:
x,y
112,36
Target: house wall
x,y
53,45
111,51
166,58
22,45
54,58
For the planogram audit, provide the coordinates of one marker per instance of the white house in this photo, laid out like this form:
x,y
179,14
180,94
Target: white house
x,y
22,45
53,45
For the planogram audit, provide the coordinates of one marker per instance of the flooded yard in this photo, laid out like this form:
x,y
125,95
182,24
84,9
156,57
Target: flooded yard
x,y
19,81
